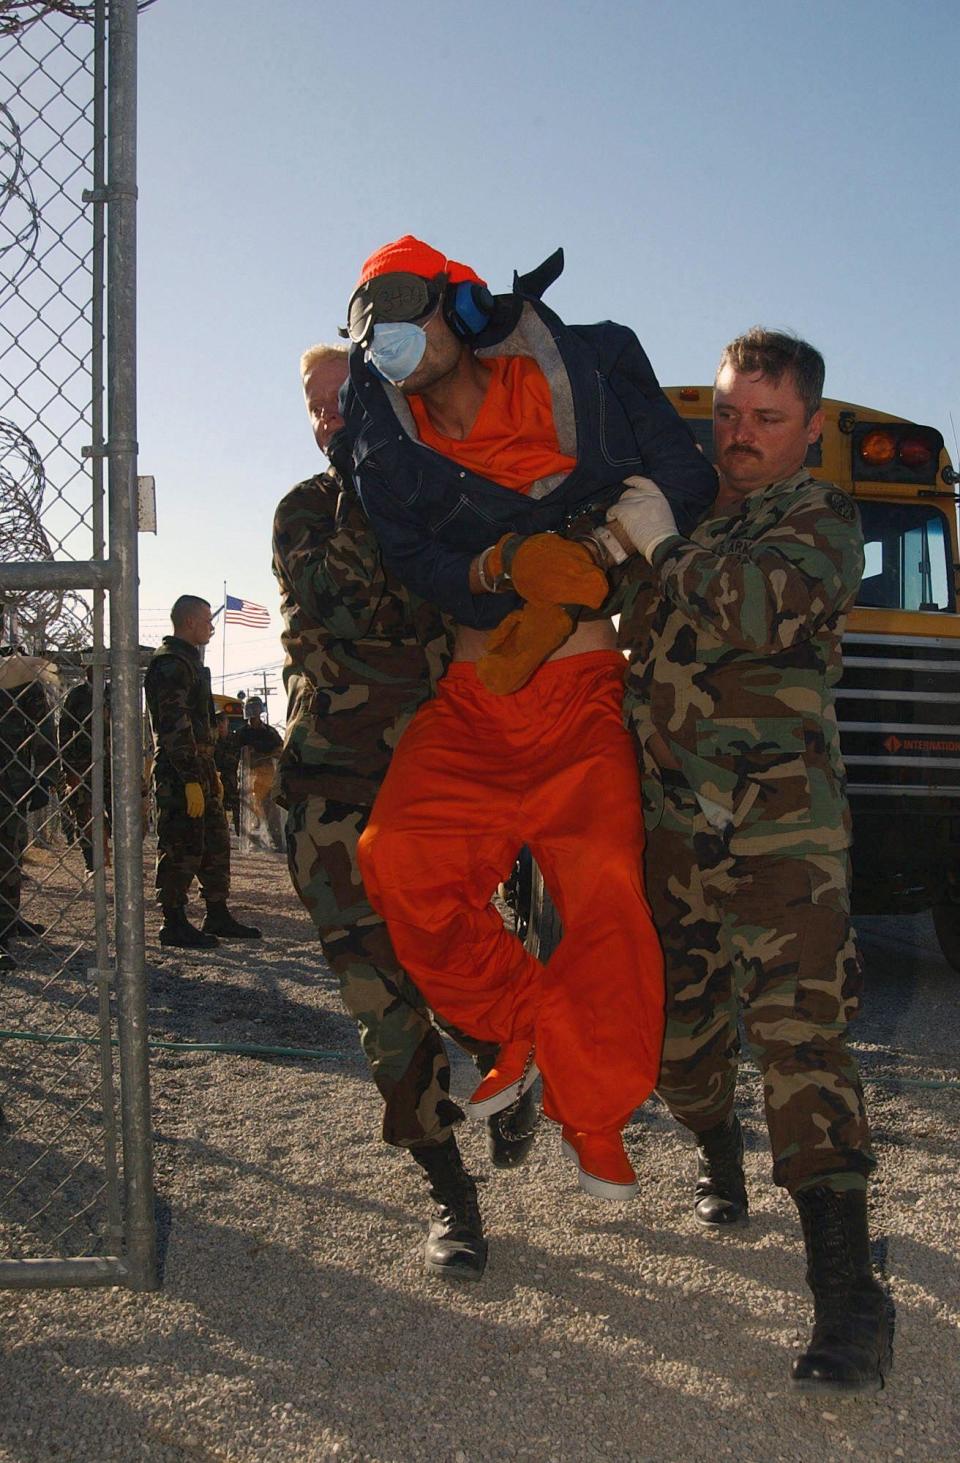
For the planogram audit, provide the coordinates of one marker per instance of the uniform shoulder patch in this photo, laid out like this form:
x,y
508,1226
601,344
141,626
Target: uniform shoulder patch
x,y
842,506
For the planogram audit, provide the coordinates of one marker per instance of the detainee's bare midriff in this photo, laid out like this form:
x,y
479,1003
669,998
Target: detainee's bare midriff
x,y
591,635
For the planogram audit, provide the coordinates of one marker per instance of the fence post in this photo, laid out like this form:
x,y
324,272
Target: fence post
x,y
124,642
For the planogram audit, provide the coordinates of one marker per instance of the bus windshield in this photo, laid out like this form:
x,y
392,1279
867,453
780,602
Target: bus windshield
x,y
907,557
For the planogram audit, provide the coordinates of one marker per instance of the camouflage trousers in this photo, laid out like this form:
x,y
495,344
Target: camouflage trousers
x,y
79,804
769,936
191,848
404,1049
13,840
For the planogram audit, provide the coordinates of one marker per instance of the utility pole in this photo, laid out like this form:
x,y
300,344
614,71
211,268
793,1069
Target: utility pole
x,y
266,694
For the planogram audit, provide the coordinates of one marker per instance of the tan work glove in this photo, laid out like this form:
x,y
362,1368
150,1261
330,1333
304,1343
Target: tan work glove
x,y
549,569
520,644
194,795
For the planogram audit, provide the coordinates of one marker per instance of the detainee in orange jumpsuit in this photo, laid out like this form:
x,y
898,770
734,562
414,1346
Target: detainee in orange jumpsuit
x,y
477,775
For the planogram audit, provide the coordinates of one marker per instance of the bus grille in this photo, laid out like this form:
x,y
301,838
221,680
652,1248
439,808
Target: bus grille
x,y
898,706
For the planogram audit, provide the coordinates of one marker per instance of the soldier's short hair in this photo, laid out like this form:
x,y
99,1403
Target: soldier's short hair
x,y
771,353
317,353
185,606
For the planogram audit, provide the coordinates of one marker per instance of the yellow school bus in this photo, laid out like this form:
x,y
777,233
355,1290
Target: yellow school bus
x,y
232,706
898,703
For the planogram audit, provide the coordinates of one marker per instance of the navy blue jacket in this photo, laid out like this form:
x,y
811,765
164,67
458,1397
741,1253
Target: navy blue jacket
x,y
433,517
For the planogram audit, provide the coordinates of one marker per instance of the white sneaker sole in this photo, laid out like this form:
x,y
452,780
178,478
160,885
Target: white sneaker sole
x,y
504,1097
599,1188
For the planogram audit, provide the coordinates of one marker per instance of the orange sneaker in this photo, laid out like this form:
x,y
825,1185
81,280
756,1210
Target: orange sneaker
x,y
513,1074
605,1170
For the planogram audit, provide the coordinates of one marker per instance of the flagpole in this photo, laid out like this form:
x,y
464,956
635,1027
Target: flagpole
x,y
223,659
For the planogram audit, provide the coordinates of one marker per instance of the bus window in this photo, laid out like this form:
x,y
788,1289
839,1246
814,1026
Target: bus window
x,y
907,565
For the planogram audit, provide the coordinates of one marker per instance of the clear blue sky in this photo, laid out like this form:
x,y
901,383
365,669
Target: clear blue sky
x,y
705,168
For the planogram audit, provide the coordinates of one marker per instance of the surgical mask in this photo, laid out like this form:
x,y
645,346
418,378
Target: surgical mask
x,y
397,349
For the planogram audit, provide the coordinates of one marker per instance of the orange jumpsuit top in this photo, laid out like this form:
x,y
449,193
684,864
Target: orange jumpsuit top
x,y
513,441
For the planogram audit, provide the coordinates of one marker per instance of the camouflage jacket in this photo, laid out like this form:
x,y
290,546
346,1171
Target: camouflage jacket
x,y
28,752
227,752
734,640
181,713
76,730
362,653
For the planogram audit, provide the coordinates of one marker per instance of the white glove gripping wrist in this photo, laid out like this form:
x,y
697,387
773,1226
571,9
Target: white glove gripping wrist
x,y
644,515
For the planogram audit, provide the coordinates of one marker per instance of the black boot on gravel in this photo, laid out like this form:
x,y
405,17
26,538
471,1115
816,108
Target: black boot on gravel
x,y
177,930
220,921
851,1346
720,1196
455,1248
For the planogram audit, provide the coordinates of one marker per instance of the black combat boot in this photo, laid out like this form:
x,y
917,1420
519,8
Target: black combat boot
x,y
851,1346
455,1248
220,921
720,1196
510,1132
177,930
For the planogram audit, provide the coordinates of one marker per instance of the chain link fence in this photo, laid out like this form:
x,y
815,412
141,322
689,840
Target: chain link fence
x,y
76,1199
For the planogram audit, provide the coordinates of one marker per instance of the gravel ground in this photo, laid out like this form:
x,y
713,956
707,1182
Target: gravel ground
x,y
294,1320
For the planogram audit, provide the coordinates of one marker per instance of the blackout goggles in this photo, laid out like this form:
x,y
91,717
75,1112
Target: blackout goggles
x,y
389,298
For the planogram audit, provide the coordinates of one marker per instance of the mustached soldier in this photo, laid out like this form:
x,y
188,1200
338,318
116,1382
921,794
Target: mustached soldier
x,y
192,837
362,655
733,661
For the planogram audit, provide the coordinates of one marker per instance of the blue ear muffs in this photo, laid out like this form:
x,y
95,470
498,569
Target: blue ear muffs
x,y
467,308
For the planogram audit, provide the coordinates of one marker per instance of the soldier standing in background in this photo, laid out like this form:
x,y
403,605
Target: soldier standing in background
x,y
28,765
226,757
192,837
362,655
258,744
76,755
734,654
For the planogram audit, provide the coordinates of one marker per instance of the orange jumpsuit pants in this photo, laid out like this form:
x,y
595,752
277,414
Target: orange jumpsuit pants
x,y
474,778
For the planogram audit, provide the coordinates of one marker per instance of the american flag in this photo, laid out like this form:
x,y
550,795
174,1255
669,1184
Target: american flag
x,y
245,612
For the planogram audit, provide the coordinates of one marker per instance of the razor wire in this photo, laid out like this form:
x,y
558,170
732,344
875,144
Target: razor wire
x,y
57,619
17,15
45,345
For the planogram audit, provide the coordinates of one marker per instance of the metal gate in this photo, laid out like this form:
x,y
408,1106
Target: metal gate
x,y
76,1188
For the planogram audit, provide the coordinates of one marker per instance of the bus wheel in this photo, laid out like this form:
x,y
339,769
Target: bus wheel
x,y
529,908
946,922
543,926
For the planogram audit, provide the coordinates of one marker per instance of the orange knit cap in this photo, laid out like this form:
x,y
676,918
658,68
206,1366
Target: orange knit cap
x,y
413,256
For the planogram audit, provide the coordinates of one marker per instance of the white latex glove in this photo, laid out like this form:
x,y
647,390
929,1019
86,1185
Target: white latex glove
x,y
644,515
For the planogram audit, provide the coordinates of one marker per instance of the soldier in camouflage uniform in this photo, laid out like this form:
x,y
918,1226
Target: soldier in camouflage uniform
x,y
192,837
28,765
735,650
226,757
76,755
362,655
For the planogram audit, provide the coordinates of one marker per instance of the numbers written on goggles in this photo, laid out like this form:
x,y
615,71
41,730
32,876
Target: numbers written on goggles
x,y
391,299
